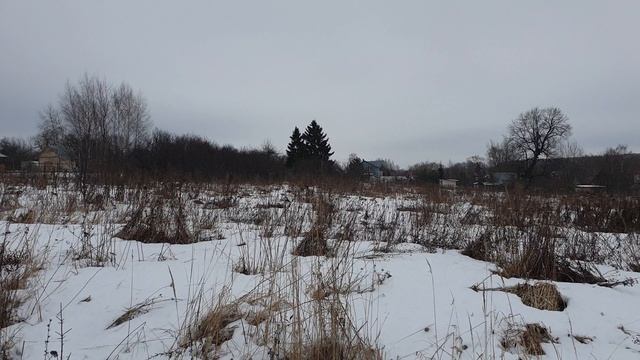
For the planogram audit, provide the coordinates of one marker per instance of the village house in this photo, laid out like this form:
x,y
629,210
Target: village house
x,y
51,160
373,169
448,183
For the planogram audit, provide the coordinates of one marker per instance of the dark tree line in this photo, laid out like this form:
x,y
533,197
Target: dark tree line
x,y
193,157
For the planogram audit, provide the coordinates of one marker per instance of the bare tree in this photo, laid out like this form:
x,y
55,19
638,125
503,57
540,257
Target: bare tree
x,y
501,152
130,120
572,164
85,113
98,125
537,133
476,164
51,128
616,170
620,150
570,149
388,166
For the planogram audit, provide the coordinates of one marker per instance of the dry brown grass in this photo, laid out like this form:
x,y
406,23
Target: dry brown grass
x,y
213,329
583,339
631,251
158,222
334,349
603,213
548,266
9,302
314,242
528,339
517,231
8,199
131,313
17,265
479,248
225,202
542,295
532,252
24,217
255,318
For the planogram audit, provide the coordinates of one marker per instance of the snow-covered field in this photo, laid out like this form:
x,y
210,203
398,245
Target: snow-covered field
x,y
383,288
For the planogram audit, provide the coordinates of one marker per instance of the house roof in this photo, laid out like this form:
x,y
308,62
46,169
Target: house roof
x,y
377,163
59,151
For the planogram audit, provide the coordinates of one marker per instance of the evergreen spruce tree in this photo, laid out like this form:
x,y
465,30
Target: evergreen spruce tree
x,y
316,143
296,148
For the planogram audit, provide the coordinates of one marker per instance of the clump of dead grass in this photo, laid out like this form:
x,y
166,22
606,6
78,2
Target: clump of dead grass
x,y
528,339
583,339
631,251
17,265
263,307
551,267
542,295
601,213
224,202
314,242
21,216
479,248
213,329
131,313
8,199
158,222
334,349
530,253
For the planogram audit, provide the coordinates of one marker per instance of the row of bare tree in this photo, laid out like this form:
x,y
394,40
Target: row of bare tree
x,y
96,124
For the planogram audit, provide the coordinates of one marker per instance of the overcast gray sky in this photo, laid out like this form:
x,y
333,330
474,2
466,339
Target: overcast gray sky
x,y
406,80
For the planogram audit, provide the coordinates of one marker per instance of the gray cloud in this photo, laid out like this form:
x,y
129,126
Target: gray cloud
x,y
409,80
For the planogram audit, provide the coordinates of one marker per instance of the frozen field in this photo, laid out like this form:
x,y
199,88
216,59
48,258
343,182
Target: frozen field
x,y
289,273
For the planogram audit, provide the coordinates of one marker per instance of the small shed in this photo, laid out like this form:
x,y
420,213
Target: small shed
x,y
590,188
448,183
504,177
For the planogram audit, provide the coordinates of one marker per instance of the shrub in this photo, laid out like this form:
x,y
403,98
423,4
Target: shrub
x,y
158,223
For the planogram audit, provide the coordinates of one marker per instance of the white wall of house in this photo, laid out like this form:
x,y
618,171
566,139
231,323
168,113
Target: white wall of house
x,y
448,183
